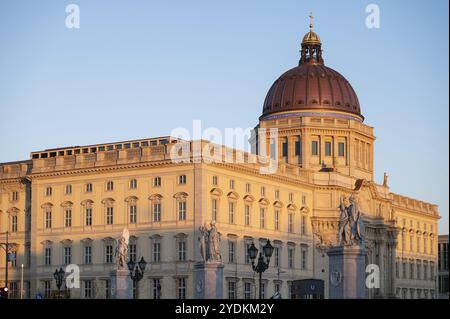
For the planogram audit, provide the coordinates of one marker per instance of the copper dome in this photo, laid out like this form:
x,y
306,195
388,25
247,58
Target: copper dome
x,y
311,86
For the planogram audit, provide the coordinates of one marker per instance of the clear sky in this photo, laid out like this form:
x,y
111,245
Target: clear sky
x,y
138,69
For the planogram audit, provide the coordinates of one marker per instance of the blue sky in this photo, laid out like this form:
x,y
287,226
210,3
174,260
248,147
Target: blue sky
x,y
138,69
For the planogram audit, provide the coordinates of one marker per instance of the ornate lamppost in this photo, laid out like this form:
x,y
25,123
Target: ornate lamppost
x,y
59,278
263,261
136,272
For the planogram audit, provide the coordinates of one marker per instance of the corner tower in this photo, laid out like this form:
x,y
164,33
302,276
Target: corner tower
x,y
318,117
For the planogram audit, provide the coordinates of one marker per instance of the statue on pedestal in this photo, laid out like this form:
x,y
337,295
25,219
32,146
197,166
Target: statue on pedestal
x,y
210,243
122,250
351,227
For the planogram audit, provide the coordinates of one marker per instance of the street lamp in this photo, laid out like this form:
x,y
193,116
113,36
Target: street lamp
x,y
263,261
59,277
136,272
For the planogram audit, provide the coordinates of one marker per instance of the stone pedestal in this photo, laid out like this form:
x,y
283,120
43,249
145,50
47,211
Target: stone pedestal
x,y
347,270
121,284
208,280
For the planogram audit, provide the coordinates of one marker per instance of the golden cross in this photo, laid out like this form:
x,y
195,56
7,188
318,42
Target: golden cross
x,y
310,21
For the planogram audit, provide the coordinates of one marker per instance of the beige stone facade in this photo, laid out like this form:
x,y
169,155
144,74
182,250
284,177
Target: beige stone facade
x,y
69,205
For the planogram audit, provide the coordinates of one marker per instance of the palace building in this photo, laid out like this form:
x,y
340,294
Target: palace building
x,y
69,205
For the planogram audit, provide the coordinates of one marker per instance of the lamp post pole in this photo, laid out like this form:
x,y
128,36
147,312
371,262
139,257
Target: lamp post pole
x,y
136,273
263,261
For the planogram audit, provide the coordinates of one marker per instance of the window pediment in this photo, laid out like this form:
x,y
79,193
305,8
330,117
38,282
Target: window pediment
x,y
233,196
264,202
131,199
155,197
67,204
292,207
47,205
180,195
13,211
87,202
108,201
249,198
278,204
216,192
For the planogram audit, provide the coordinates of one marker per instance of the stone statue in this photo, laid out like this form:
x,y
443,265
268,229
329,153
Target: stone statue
x,y
385,179
351,228
214,243
209,243
122,249
203,239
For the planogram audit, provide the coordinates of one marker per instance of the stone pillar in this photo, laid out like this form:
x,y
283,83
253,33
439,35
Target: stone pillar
x,y
121,284
208,280
347,271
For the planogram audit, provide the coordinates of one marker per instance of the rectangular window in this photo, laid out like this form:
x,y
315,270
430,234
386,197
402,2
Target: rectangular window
x,y
133,214
48,256
263,191
303,225
14,223
110,186
157,212
315,148
215,180
248,188
88,289
304,259
88,188
107,289
290,223
156,252
109,215
247,215
341,149
298,148
47,289
132,252
67,255
247,256
231,184
231,213
285,149
109,254
181,288
182,179
68,189
231,252
181,250
157,182
231,289
156,288
88,255
182,210
133,184
262,217
276,253
291,257
68,218
247,290
15,196
48,191
48,219
214,209
327,148
277,219
88,216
